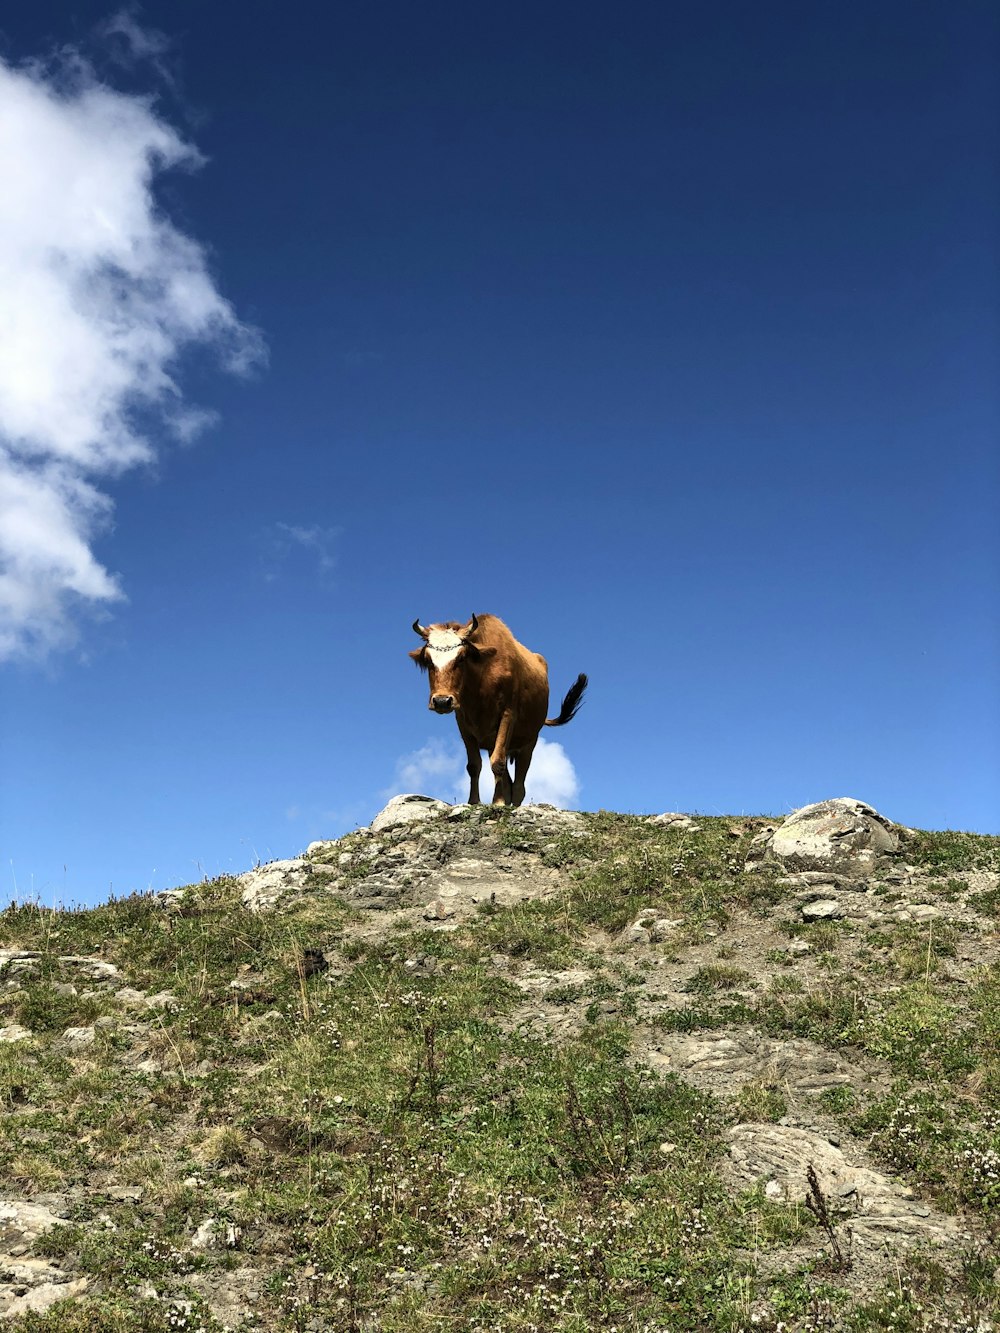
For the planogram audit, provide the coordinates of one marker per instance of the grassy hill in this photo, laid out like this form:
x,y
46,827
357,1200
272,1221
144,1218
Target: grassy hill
x,y
510,1070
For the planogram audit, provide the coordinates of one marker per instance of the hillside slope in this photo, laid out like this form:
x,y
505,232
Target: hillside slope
x,y
481,1069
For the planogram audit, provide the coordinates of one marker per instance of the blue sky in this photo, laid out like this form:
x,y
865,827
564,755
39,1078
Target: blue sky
x,y
669,334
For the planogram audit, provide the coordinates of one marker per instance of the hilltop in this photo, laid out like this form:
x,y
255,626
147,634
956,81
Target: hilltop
x,y
488,1069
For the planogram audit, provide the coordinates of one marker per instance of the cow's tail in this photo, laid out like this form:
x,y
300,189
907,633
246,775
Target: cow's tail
x,y
571,704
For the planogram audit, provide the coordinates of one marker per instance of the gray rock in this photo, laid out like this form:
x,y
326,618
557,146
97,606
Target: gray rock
x,y
321,848
77,1039
409,808
265,886
843,835
36,1300
550,818
170,899
165,1000
21,967
375,893
877,1206
94,969
21,1223
822,909
721,1062
924,912
206,1237
15,1032
816,880
657,927
673,820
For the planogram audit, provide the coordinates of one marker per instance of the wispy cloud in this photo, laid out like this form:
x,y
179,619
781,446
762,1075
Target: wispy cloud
x,y
283,541
438,769
130,43
99,295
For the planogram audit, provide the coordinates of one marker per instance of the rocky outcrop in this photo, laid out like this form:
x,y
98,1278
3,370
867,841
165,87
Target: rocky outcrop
x,y
420,853
408,809
265,886
877,1208
722,1062
28,1284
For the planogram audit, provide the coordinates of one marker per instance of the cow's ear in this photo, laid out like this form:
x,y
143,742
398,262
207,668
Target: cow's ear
x,y
476,653
419,656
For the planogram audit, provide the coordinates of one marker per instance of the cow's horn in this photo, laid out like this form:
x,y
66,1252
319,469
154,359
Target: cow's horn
x,y
419,629
473,626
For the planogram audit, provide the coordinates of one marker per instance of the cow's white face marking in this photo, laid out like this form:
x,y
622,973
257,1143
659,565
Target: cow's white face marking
x,y
443,645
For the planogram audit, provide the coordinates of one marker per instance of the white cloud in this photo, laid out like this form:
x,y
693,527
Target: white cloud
x,y
552,778
438,769
99,295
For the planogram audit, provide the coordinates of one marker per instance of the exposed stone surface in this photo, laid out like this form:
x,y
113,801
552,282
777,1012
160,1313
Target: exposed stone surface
x,y
674,820
263,887
17,964
14,1032
95,969
724,1061
842,835
36,1299
878,1208
77,1039
407,809
206,1235
27,1283
822,909
22,1222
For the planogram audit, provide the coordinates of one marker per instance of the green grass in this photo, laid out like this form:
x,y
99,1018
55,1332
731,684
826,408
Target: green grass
x,y
393,1152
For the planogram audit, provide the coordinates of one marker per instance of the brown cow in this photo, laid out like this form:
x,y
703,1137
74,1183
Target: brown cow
x,y
499,693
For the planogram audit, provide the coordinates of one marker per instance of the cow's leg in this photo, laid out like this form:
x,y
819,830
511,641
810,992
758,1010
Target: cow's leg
x,y
498,760
474,765
522,761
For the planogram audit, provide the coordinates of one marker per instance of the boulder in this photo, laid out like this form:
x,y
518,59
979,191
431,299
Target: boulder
x,y
843,835
822,909
671,819
408,809
264,886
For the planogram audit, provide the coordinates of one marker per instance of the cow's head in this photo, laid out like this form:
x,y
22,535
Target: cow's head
x,y
448,653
